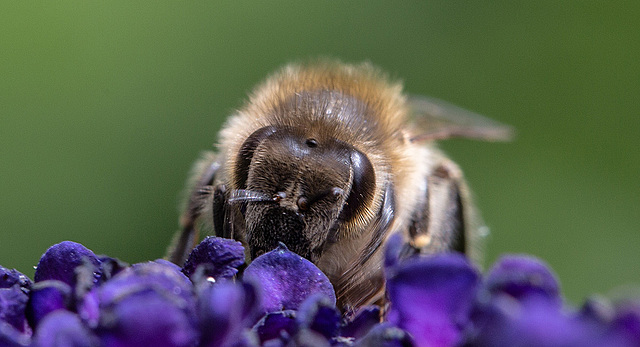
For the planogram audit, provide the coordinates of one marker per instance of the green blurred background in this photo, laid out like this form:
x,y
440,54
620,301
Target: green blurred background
x,y
104,106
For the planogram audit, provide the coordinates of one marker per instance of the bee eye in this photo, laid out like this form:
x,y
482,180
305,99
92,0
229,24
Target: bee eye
x,y
312,143
246,153
303,203
362,186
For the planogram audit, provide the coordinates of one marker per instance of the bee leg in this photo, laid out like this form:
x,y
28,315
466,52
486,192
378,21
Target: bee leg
x,y
439,224
201,189
218,210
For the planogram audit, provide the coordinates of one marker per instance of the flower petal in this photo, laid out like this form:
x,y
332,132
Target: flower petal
x,y
46,297
365,319
523,277
625,327
11,337
505,321
286,279
431,297
13,302
60,261
63,328
274,324
146,317
387,335
394,248
219,256
319,314
308,337
160,274
9,277
147,304
111,266
224,310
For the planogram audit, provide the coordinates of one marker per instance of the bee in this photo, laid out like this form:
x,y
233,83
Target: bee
x,y
331,159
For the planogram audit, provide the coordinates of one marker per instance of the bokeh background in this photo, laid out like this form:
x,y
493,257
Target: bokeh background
x,y
104,106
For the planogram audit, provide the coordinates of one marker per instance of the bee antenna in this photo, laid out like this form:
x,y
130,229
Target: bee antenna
x,y
246,195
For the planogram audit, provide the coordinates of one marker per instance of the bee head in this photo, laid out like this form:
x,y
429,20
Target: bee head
x,y
314,184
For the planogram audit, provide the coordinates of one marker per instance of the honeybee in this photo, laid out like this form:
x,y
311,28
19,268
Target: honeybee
x,y
331,159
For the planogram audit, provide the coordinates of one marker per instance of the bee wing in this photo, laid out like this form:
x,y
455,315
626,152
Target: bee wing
x,y
437,119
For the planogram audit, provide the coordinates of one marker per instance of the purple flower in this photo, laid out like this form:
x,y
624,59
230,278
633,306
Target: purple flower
x,y
308,337
286,280
10,277
60,261
439,300
219,258
316,322
431,297
13,301
397,250
521,306
146,318
89,308
506,322
318,313
63,328
387,335
160,274
148,304
523,278
111,266
276,326
364,319
597,310
11,337
224,310
46,297
624,329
